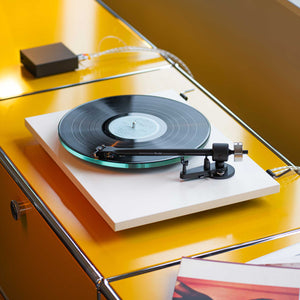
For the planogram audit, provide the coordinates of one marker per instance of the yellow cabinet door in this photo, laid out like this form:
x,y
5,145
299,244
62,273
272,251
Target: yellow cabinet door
x,y
34,263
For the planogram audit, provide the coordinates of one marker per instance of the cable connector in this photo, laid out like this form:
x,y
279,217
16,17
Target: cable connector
x,y
83,56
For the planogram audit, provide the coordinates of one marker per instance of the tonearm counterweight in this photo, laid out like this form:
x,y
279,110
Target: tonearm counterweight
x,y
219,153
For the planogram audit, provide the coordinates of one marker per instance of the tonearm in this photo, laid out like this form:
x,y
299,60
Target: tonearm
x,y
219,153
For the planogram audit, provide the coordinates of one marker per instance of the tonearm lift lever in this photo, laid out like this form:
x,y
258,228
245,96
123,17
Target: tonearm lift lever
x,y
219,153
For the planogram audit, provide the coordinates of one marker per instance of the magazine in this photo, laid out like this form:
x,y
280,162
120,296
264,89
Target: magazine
x,y
203,279
286,257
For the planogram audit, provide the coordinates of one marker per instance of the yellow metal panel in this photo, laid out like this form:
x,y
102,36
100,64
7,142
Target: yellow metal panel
x,y
83,26
244,255
34,263
116,253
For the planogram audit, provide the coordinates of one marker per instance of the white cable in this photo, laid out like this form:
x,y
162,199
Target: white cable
x,y
277,172
164,53
293,168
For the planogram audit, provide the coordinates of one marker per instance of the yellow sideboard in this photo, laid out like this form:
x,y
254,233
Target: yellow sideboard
x,y
61,248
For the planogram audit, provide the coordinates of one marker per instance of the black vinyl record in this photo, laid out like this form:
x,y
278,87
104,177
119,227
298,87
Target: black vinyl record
x,y
133,121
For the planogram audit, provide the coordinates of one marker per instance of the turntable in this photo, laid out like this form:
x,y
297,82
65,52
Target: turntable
x,y
125,153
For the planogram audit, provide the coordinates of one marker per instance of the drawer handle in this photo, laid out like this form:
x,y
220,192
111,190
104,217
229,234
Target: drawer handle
x,y
18,209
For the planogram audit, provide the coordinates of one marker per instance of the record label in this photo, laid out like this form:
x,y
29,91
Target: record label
x,y
136,126
133,121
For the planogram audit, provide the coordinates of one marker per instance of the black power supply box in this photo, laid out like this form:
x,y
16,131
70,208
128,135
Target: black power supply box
x,y
49,59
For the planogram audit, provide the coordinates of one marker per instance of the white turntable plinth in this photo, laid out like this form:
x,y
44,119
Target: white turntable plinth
x,y
129,198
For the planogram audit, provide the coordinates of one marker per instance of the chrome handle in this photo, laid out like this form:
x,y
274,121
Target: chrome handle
x,y
18,209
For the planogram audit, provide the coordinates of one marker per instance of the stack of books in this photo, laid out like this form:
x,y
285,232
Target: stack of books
x,y
274,276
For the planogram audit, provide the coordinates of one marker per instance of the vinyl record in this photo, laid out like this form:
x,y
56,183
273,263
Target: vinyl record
x,y
133,121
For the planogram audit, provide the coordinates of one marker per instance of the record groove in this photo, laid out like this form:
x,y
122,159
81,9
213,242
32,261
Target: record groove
x,y
133,121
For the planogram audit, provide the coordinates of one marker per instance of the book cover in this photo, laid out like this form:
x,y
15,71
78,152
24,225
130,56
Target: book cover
x,y
207,279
